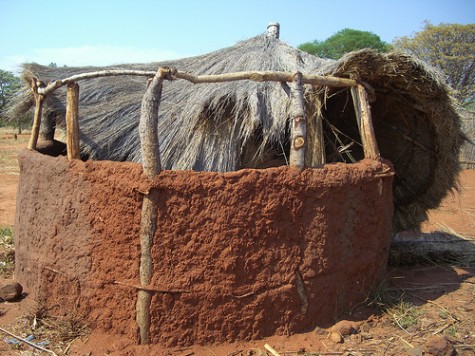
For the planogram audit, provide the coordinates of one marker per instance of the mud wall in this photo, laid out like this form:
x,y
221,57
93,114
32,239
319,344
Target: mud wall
x,y
239,255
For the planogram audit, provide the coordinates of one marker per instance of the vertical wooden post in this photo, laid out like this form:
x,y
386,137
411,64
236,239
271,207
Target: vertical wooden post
x,y
35,130
148,131
319,143
365,122
298,127
72,125
315,154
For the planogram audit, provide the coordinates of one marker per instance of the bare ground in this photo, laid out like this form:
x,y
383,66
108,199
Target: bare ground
x,y
420,310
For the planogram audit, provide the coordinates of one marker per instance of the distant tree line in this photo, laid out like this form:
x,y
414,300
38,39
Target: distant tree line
x,y
451,49
345,41
9,85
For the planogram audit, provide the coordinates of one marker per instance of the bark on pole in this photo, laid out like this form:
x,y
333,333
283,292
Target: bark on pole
x,y
315,153
35,130
365,122
148,131
298,127
72,125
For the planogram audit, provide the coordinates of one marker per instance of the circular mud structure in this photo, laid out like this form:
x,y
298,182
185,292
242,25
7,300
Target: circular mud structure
x,y
236,256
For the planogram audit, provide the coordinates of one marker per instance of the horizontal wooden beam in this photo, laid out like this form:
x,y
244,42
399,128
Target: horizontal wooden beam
x,y
257,76
269,76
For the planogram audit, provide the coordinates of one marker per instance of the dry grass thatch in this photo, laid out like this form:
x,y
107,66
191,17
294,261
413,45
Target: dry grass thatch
x,y
229,126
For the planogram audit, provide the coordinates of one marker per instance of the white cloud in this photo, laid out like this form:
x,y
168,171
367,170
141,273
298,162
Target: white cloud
x,y
87,55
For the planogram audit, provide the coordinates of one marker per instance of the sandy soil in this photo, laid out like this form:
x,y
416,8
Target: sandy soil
x,y
456,214
423,309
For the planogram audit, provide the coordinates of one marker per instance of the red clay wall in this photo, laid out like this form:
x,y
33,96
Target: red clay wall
x,y
253,253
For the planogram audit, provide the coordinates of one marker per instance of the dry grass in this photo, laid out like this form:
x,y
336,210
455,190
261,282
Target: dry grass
x,y
404,314
7,252
9,147
55,333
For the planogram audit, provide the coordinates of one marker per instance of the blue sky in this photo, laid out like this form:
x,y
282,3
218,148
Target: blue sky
x,y
102,32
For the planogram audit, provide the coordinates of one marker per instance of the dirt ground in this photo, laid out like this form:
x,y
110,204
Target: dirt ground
x,y
419,310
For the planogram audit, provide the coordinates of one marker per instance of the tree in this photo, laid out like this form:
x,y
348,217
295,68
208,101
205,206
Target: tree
x,y
345,41
9,84
449,48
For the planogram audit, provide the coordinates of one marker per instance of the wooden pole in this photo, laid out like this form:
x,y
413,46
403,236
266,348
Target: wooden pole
x,y
258,76
270,76
298,127
35,130
315,154
365,122
151,166
72,125
319,143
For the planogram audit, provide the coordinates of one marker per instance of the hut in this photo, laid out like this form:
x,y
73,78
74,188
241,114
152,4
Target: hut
x,y
238,125
240,252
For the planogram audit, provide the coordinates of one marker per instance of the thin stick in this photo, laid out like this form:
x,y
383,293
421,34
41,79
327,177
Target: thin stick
x,y
258,76
234,353
150,289
27,342
243,295
52,86
271,350
407,343
446,326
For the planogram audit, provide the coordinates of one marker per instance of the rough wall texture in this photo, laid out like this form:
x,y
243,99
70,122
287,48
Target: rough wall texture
x,y
239,255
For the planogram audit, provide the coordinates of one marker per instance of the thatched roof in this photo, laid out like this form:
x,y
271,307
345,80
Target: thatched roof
x,y
228,126
417,127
